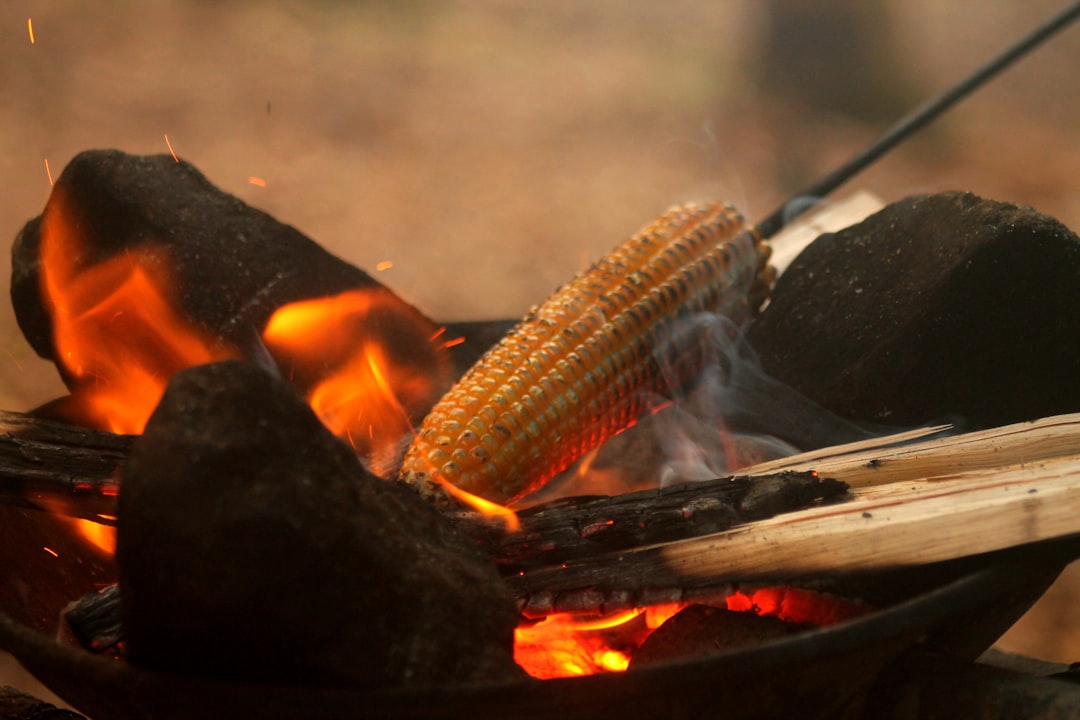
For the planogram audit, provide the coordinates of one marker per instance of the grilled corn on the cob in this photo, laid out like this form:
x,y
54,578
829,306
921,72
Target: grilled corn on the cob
x,y
578,368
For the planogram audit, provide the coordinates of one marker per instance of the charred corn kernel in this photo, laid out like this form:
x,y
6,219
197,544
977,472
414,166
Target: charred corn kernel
x,y
579,368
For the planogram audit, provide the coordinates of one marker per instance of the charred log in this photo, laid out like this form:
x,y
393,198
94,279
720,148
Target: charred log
x,y
578,527
60,467
76,471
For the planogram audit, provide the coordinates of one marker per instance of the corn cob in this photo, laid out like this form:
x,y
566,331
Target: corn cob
x,y
578,368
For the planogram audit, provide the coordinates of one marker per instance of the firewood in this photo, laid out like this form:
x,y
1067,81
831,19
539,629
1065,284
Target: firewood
x,y
909,522
578,527
865,463
60,467
75,471
926,501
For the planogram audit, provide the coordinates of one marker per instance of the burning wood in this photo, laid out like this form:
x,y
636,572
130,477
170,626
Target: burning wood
x,y
139,267
237,504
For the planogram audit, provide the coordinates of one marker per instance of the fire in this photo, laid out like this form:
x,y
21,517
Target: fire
x,y
102,537
117,337
369,365
169,145
796,605
366,363
567,645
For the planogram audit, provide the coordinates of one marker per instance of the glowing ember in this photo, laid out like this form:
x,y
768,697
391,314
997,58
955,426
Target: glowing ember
x,y
384,265
566,645
257,181
102,537
117,338
169,145
797,605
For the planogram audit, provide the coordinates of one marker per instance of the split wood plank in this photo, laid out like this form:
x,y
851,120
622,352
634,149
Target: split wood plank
x,y
880,461
967,505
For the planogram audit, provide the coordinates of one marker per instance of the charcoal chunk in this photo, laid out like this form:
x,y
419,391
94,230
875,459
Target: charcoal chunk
x,y
253,545
942,306
703,629
231,265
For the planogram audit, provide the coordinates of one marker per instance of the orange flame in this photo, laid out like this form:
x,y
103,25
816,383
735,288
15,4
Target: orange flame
x,y
117,338
102,537
366,363
567,645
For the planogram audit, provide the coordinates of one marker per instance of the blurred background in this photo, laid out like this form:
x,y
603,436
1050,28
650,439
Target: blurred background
x,y
490,149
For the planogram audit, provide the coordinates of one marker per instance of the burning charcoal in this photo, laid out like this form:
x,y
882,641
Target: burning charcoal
x,y
93,620
942,306
158,270
232,265
251,544
703,629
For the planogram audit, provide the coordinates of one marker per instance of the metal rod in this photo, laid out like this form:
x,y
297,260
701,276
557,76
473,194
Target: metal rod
x,y
913,122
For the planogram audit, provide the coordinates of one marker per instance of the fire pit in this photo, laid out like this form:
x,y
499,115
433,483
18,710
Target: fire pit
x,y
275,396
822,673
585,555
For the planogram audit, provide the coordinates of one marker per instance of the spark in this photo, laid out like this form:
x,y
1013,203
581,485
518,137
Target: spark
x,y
51,551
452,343
171,151
48,172
30,28
257,181
384,265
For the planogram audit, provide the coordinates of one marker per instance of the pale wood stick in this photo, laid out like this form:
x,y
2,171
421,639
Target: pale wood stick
x,y
903,524
876,462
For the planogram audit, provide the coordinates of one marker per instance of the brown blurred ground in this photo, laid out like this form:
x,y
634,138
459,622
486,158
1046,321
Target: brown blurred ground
x,y
491,148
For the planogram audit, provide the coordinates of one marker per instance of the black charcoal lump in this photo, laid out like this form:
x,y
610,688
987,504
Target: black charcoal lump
x,y
231,265
942,306
252,545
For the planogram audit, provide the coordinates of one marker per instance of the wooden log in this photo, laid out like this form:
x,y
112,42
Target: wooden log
x,y
75,472
918,503
908,522
874,462
581,527
59,467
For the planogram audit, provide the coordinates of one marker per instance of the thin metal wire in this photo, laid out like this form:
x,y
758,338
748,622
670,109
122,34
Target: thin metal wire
x,y
912,123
